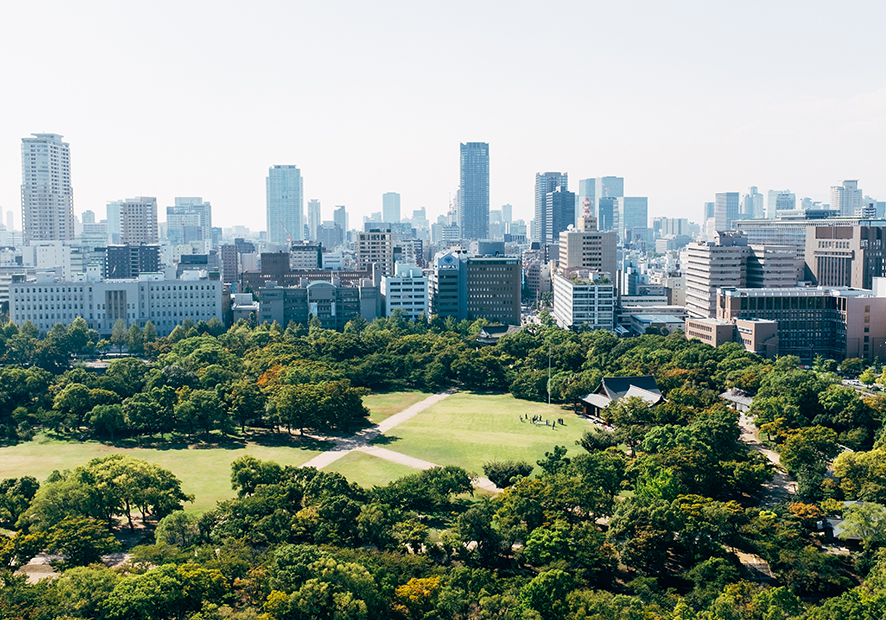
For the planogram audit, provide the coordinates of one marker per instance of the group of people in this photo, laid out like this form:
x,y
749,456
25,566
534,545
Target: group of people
x,y
537,420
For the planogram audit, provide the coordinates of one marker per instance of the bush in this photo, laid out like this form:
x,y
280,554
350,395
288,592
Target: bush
x,y
505,473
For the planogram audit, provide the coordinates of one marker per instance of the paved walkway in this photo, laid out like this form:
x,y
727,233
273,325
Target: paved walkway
x,y
411,461
343,445
361,441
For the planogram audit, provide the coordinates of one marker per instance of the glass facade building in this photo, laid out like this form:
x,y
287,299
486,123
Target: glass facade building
x,y
473,194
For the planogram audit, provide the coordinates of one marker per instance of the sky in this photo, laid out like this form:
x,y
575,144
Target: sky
x,y
683,99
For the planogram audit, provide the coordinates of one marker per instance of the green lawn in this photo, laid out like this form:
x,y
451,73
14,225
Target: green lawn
x,y
367,470
205,472
383,406
469,429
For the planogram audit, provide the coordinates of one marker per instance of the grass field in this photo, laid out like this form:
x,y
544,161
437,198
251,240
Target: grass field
x,y
383,406
205,472
367,470
469,429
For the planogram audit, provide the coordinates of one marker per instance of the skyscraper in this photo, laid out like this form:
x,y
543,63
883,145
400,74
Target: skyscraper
x,y
314,218
725,210
391,207
545,183
507,214
285,204
190,219
587,198
559,213
633,215
136,220
846,199
609,187
340,217
607,213
780,200
752,204
47,195
473,194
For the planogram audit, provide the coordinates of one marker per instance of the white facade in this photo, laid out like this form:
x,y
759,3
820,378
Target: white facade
x,y
166,303
134,220
580,300
847,198
407,290
47,195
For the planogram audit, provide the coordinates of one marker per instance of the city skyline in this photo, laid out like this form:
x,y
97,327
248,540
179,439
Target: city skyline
x,y
733,116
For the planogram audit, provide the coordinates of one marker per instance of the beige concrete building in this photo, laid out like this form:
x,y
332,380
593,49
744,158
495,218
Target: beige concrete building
x,y
713,265
755,335
376,246
138,221
846,255
588,249
771,266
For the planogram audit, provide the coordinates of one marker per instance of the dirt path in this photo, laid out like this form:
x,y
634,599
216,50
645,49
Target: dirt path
x,y
343,445
782,487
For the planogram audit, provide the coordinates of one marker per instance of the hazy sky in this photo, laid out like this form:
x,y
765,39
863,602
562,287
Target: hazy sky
x,y
683,99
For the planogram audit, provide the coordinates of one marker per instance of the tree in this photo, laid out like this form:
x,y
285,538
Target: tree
x,y
119,335
107,420
631,418
178,528
504,473
866,521
809,447
246,402
595,439
135,340
82,591
81,540
15,497
74,403
546,594
248,473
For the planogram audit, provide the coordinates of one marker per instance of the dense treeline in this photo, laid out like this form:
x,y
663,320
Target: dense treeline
x,y
652,521
202,379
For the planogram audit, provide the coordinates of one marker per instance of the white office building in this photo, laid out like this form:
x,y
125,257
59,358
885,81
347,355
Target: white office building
x,y
133,221
47,195
47,301
285,204
584,298
406,290
847,199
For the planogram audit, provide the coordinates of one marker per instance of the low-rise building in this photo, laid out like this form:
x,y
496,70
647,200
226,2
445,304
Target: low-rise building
x,y
333,304
166,303
406,290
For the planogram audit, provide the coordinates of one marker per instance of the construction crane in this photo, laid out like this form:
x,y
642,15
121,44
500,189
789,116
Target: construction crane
x,y
288,236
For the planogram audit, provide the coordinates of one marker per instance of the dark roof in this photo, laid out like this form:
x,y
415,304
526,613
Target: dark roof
x,y
616,387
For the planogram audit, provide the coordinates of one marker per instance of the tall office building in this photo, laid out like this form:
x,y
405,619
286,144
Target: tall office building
x,y
846,199
559,213
607,213
47,195
473,191
376,246
752,204
340,217
633,215
545,183
390,207
507,214
189,220
779,200
314,218
725,210
609,187
285,204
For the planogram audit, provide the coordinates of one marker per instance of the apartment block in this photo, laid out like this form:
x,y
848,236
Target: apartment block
x,y
376,247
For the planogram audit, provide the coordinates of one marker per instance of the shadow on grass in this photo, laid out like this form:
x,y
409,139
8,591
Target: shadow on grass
x,y
383,440
214,441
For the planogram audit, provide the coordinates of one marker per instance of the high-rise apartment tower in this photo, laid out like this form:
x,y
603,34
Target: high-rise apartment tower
x,y
285,204
47,195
